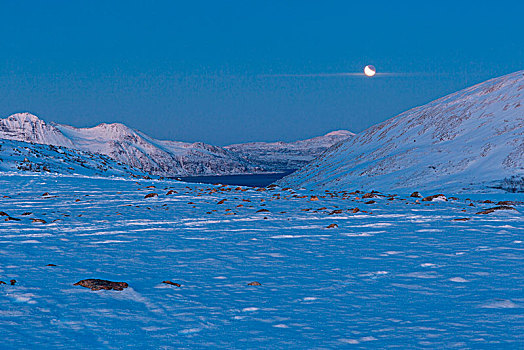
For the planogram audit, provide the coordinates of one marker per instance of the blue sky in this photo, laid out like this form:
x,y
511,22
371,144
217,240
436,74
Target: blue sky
x,y
200,70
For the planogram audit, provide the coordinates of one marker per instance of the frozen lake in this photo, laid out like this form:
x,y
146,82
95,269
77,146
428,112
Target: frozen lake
x,y
251,180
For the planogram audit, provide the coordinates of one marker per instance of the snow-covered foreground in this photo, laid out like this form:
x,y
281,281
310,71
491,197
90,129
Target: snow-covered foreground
x,y
403,275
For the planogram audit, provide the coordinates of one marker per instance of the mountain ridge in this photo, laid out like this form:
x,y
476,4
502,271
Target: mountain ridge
x,y
471,139
157,157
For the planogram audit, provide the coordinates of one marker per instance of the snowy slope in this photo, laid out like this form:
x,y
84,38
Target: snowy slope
x,y
468,140
282,156
167,158
29,128
19,156
123,144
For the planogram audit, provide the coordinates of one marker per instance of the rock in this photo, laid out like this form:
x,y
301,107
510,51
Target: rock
x,y
461,219
314,198
262,211
13,282
3,213
151,195
171,192
11,219
491,210
221,201
435,197
97,284
255,283
355,210
50,265
506,203
172,283
45,194
370,202
2,282
332,226
487,201
416,195
26,213
337,211
39,220
369,195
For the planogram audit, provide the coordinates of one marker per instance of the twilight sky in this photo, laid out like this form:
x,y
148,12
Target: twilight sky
x,y
201,70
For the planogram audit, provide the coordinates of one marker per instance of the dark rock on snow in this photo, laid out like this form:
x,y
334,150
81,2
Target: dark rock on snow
x,y
97,284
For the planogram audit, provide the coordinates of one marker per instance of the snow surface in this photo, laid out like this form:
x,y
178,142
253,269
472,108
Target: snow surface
x,y
401,274
470,140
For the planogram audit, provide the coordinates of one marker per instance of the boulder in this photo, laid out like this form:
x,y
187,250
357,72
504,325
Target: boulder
x,y
97,284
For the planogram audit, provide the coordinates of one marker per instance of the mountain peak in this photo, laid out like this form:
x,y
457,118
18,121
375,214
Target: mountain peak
x,y
340,133
25,117
28,127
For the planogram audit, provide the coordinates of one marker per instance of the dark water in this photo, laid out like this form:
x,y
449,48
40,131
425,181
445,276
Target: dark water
x,y
253,180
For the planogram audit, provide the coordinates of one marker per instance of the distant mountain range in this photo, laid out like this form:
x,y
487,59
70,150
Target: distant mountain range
x,y
467,141
284,156
167,158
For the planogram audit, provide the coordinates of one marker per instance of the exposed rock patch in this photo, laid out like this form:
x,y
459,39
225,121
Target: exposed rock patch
x,y
97,284
491,210
435,197
172,283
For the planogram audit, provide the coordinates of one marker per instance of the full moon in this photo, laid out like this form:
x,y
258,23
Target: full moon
x,y
369,70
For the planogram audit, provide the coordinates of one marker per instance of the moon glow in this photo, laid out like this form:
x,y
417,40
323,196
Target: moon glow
x,y
369,70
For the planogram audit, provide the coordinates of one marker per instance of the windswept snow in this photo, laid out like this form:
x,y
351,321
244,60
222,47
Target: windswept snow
x,y
469,140
398,273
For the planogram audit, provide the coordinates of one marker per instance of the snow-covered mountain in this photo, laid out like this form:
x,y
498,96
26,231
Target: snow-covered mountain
x,y
283,156
469,140
19,156
123,144
29,128
159,157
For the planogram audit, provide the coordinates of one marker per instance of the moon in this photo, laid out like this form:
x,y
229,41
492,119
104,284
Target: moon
x,y
369,70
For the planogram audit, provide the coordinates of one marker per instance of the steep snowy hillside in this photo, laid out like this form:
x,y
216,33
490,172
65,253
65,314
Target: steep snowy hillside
x,y
29,128
123,144
282,156
166,158
469,140
19,156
